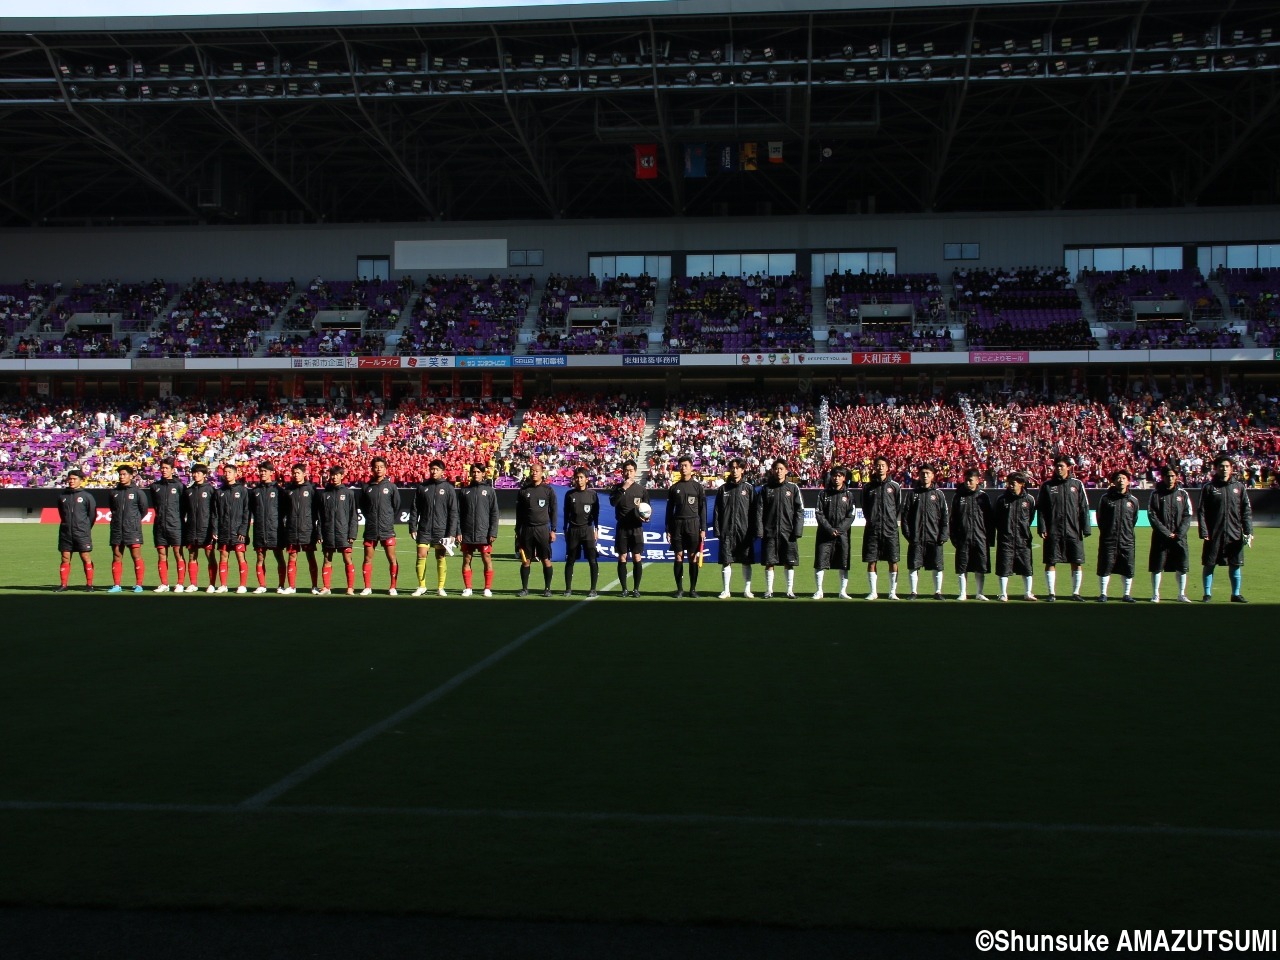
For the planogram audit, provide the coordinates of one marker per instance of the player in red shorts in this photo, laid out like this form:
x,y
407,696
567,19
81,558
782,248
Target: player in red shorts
x,y
380,500
478,523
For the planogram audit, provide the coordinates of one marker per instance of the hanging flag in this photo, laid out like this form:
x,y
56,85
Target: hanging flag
x,y
646,161
747,157
728,158
695,159
775,151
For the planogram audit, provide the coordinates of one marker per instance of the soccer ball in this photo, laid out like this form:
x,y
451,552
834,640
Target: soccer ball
x,y
644,511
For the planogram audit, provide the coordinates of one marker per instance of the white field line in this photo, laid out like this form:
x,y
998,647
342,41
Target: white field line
x,y
655,819
312,767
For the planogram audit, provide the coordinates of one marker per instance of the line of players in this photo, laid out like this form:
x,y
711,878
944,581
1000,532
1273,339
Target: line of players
x,y
288,519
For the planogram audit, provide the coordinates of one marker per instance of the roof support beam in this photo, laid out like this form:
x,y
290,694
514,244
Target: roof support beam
x,y
674,164
532,138
1259,118
953,121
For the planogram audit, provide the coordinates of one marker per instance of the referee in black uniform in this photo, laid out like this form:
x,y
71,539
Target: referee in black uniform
x,y
536,515
687,525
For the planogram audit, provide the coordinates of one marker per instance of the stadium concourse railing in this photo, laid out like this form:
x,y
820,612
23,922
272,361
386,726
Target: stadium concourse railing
x,y
31,504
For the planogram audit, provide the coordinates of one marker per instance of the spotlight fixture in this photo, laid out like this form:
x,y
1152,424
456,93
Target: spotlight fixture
x,y
902,49
269,89
747,76
873,72
1060,66
261,66
873,50
174,91
390,85
442,86
747,54
847,51
1033,67
539,60
416,86
591,59
1175,62
543,83
565,82
616,59
437,63
1037,44
1176,39
593,80
64,70
926,71
1090,65
1065,43
90,71
716,55
717,77
312,65
1265,35
1009,46
315,86
122,89
386,63
237,67
1237,36
615,79
1006,68
695,56
144,90
771,75
194,90
463,63
242,89
928,48
468,84
1093,43
1229,60
1259,59
768,53
285,67
75,91
565,59
850,73
692,77
903,72
113,70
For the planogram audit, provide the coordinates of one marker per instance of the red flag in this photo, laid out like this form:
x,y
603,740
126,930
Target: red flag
x,y
646,161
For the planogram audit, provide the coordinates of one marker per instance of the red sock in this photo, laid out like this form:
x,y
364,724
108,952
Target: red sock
x,y
139,570
222,573
368,575
193,571
262,575
244,568
466,577
88,574
182,568
327,575
64,572
395,572
488,579
293,571
117,568
351,576
164,572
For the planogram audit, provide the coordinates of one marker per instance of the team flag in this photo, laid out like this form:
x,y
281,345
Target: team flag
x,y
646,161
695,160
775,151
747,157
728,158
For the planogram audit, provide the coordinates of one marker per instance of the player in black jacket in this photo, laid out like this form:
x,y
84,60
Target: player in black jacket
x,y
882,508
128,503
1015,511
198,526
835,515
433,522
581,530
1169,512
1226,526
972,527
687,525
1117,517
536,515
339,527
232,528
265,504
381,504
77,513
626,498
301,526
734,522
779,523
1062,519
478,519
926,526
168,497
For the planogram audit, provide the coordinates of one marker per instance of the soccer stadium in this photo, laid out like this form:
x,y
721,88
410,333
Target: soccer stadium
x,y
679,478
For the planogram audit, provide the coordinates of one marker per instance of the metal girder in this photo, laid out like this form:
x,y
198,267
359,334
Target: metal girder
x,y
123,156
533,141
806,135
953,121
1258,119
248,144
1098,127
674,163
392,154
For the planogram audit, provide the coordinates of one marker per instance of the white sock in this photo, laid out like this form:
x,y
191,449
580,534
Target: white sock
x,y
915,579
844,582
1128,586
1102,585
1004,586
1077,580
937,581
791,579
817,575
963,586
768,580
1052,577
873,577
893,581
746,575
726,574
981,579
1028,582
1182,584
1155,584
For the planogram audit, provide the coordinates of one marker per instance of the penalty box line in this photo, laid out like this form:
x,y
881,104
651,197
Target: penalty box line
x,y
312,767
653,819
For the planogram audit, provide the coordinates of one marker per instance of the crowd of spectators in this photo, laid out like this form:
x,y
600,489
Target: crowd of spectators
x,y
74,344
907,429
848,291
20,303
218,318
1022,307
1114,292
739,314
633,297
1173,335
565,431
1026,433
466,315
327,343
460,433
138,304
917,340
1254,296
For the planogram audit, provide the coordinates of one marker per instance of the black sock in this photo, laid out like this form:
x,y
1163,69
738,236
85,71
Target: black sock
x,y
622,573
524,578
568,574
594,567
693,576
679,574
546,578
636,569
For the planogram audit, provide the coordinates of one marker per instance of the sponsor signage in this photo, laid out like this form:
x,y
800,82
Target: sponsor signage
x,y
557,360
839,359
497,360
767,360
426,363
999,356
891,358
378,363
326,363
1278,354
651,359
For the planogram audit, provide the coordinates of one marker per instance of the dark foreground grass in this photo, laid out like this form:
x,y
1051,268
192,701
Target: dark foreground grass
x,y
907,766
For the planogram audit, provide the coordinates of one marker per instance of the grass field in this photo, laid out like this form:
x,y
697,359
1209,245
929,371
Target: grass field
x,y
908,766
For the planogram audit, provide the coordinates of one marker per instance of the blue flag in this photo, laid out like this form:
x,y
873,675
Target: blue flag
x,y
695,160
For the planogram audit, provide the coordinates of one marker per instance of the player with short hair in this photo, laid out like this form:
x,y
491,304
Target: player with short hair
x,y
581,530
1062,520
733,520
167,495
1169,512
926,526
77,513
265,502
629,521
779,523
199,526
433,522
1117,518
128,503
882,504
1014,512
232,513
687,525
478,519
339,527
536,515
380,499
1225,525
835,515
301,525
972,526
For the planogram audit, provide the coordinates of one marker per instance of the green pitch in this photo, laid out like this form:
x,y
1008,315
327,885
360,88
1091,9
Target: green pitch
x,y
890,765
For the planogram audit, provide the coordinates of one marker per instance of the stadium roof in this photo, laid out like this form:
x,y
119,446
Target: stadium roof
x,y
535,112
